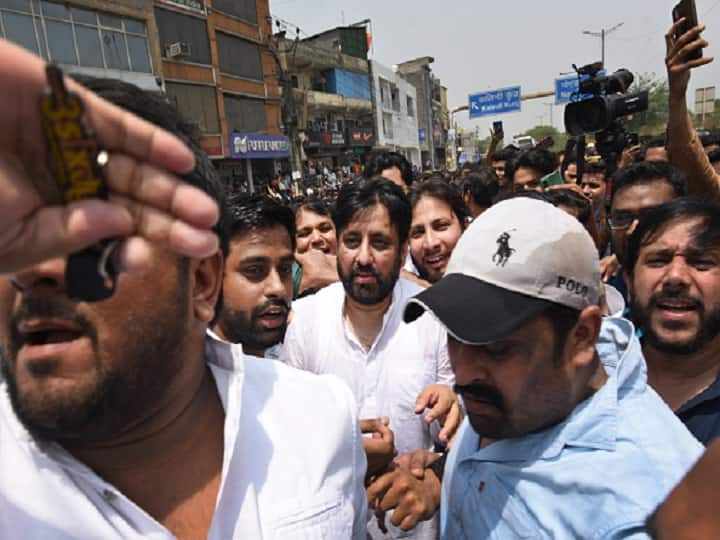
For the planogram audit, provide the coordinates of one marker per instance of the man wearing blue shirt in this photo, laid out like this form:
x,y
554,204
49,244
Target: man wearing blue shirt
x,y
564,438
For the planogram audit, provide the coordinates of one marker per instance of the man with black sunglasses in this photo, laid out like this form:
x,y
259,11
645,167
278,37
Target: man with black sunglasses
x,y
634,189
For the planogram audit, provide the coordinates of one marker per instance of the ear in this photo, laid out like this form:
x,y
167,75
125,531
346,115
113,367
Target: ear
x,y
580,345
206,278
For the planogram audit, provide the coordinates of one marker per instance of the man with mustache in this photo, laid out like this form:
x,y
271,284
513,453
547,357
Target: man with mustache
x,y
122,418
563,438
673,277
354,329
258,279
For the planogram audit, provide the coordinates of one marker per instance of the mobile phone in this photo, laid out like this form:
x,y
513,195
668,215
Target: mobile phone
x,y
633,139
552,179
686,8
498,126
545,142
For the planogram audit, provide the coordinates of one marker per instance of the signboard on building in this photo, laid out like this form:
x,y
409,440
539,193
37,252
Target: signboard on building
x,y
193,5
493,102
361,136
258,146
324,138
422,135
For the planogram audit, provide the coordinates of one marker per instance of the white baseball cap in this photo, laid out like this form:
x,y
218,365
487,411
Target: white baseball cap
x,y
514,261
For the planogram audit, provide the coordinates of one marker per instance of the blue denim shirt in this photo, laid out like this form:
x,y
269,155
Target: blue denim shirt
x,y
596,475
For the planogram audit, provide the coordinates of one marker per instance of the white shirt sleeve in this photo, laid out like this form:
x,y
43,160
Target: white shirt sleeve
x,y
292,351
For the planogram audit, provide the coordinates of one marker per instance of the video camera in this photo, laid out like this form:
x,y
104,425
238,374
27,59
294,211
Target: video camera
x,y
609,100
602,111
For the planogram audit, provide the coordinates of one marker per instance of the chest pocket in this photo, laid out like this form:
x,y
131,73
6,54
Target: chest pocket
x,y
489,506
331,520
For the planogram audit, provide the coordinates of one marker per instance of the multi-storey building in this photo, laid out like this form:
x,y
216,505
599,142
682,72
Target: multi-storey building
x,y
432,114
396,115
329,95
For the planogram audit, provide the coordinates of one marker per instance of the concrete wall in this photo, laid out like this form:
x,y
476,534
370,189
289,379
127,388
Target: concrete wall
x,y
404,123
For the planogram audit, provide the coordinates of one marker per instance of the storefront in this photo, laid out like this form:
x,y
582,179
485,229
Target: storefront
x,y
255,158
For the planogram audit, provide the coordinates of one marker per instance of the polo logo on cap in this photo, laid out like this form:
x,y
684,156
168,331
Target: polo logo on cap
x,y
572,286
504,251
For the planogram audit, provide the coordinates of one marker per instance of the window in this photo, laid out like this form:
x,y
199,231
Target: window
x,y
243,9
410,106
244,114
76,36
197,103
395,98
178,28
239,57
387,125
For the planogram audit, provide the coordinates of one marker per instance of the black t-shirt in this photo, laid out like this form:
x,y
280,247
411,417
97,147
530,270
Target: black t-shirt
x,y
701,415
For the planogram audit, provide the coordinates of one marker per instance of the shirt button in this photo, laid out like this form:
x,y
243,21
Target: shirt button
x,y
108,495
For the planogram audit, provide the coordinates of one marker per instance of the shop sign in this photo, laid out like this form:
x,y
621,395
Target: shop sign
x,y
258,146
361,136
324,138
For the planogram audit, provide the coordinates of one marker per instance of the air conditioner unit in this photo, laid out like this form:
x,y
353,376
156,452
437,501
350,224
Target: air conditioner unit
x,y
177,49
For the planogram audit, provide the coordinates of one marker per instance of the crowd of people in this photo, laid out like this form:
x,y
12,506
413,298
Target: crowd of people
x,y
488,355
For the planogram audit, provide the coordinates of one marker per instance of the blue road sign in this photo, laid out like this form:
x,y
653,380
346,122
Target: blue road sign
x,y
566,89
494,102
421,135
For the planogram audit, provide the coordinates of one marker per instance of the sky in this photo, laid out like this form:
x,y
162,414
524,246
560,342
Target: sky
x,y
481,45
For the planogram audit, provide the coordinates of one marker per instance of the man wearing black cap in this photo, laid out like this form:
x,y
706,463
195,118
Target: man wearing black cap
x,y
563,433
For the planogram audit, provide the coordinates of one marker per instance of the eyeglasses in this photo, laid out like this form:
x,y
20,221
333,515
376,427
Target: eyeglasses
x,y
622,219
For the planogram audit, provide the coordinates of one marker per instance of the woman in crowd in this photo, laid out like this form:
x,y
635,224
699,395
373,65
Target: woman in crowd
x,y
315,248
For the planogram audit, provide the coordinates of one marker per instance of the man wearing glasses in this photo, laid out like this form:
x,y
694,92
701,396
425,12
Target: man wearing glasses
x,y
634,189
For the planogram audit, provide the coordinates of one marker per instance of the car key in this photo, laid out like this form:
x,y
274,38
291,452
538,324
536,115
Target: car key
x,y
77,162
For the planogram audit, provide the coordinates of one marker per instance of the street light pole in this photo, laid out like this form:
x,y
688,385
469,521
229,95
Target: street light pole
x,y
601,34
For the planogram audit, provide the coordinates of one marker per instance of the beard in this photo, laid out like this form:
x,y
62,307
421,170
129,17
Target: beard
x,y
122,387
369,294
239,327
708,326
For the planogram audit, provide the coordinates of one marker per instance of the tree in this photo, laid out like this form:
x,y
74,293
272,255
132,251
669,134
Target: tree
x,y
653,121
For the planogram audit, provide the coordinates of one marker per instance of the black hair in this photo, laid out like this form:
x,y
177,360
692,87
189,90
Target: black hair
x,y
380,161
595,167
154,108
653,220
504,154
540,159
254,212
363,194
647,172
714,156
441,190
563,319
315,205
571,198
483,185
568,159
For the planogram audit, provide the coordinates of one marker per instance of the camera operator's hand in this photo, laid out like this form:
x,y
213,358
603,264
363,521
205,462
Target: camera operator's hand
x,y
678,67
628,156
146,202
